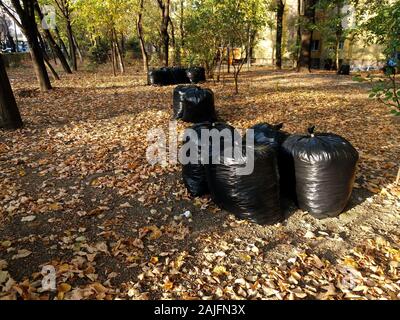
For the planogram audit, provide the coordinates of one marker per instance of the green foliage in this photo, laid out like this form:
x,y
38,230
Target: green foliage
x,y
99,52
383,27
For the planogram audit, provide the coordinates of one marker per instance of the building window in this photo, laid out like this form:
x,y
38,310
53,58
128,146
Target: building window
x,y
314,45
341,45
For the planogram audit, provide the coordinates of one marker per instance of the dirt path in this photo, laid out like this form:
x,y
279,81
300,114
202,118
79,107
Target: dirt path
x,y
78,194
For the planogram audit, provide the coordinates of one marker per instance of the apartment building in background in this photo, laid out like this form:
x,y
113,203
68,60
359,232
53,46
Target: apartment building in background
x,y
353,50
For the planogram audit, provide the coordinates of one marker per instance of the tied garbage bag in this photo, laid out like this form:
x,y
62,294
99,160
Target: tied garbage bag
x,y
179,99
267,134
324,167
272,135
193,169
196,74
198,105
252,196
156,77
179,76
161,77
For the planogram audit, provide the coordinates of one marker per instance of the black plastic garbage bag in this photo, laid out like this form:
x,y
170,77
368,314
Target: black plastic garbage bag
x,y
267,134
196,74
324,166
179,75
161,77
156,77
274,136
253,196
193,171
198,105
179,99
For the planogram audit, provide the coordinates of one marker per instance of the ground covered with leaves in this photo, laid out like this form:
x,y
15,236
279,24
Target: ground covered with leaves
x,y
78,194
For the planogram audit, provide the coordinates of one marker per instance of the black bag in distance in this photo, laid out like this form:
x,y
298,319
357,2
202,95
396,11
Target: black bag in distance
x,y
194,174
325,166
179,75
253,197
196,74
155,77
198,105
179,99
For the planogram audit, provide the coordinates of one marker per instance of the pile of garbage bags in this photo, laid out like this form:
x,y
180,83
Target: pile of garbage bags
x,y
193,104
176,75
315,170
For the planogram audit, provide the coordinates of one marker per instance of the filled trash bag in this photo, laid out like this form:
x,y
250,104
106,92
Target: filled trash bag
x,y
198,105
161,77
274,136
193,171
156,77
324,171
254,196
179,75
179,99
196,74
267,134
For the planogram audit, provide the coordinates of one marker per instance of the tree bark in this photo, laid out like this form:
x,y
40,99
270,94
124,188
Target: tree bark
x,y
139,25
10,117
280,10
52,42
62,44
118,53
306,36
52,70
78,49
72,49
27,18
164,28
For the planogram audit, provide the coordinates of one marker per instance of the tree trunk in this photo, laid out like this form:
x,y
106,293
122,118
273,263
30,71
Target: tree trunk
x,y
339,33
52,70
139,24
164,28
181,24
78,49
52,42
221,59
306,36
280,10
10,117
62,44
174,46
118,53
228,53
72,49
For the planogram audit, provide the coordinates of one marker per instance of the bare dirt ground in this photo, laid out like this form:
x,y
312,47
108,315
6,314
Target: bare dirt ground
x,y
77,193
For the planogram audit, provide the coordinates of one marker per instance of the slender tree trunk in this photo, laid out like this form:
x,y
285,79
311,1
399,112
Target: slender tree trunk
x,y
228,52
52,42
139,25
78,49
10,117
164,28
62,44
221,59
174,46
72,49
339,33
52,70
118,53
181,26
279,30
